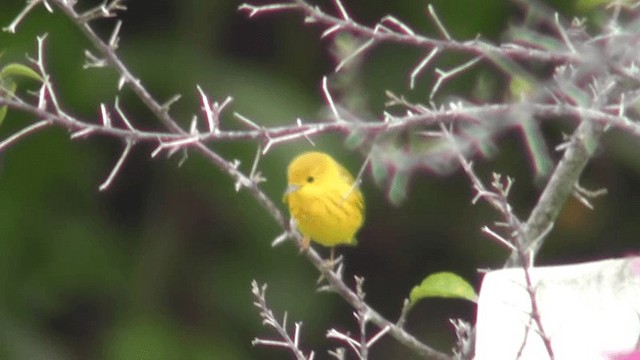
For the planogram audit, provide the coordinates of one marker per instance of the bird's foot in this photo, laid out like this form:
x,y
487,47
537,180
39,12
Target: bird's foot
x,y
304,245
333,265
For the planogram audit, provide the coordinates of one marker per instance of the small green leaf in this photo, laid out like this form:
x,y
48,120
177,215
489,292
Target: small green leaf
x,y
529,36
538,150
355,139
379,171
444,285
591,5
8,86
521,86
398,188
3,113
18,70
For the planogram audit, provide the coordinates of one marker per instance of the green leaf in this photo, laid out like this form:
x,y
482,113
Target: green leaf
x,y
379,171
398,188
538,150
443,285
18,70
355,139
520,86
529,36
8,86
3,113
589,5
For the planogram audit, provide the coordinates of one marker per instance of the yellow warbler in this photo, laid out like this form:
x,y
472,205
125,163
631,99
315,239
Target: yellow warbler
x,y
326,205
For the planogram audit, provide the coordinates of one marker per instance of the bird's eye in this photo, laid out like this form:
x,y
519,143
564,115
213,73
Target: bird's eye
x,y
310,179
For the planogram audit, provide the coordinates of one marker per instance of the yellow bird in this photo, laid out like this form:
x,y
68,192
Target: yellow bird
x,y
324,201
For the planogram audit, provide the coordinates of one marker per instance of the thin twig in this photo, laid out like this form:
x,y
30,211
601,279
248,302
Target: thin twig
x,y
291,343
446,75
14,24
423,63
23,133
436,19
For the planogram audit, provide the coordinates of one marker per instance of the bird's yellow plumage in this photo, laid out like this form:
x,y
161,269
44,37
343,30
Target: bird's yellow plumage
x,y
323,200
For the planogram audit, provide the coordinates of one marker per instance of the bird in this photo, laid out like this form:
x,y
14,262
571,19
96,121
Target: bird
x,y
324,200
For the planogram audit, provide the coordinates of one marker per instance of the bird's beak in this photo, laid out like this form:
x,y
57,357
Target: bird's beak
x,y
291,188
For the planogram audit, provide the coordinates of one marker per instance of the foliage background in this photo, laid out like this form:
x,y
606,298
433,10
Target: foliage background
x,y
159,266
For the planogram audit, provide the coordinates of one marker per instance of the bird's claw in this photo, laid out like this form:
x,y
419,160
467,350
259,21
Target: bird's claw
x,y
304,244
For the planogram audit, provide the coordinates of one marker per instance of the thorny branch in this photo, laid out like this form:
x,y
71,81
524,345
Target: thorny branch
x,y
517,237
292,343
389,29
162,112
576,55
360,346
177,138
558,189
454,113
336,284
573,51
515,230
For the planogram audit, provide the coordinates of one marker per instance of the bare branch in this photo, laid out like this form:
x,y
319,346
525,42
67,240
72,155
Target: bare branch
x,y
114,39
329,99
23,133
291,343
360,346
396,331
315,15
92,61
423,63
125,75
535,311
560,186
563,33
254,10
250,123
361,49
104,10
116,168
507,244
397,23
14,24
343,12
592,106
123,117
446,75
106,119
212,121
438,23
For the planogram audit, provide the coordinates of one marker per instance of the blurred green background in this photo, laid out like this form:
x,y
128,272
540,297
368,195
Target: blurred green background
x,y
160,265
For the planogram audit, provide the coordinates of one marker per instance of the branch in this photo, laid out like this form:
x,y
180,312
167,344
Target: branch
x,y
427,117
23,133
559,188
529,235
75,125
30,5
259,293
126,76
362,345
162,113
396,331
381,33
117,166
